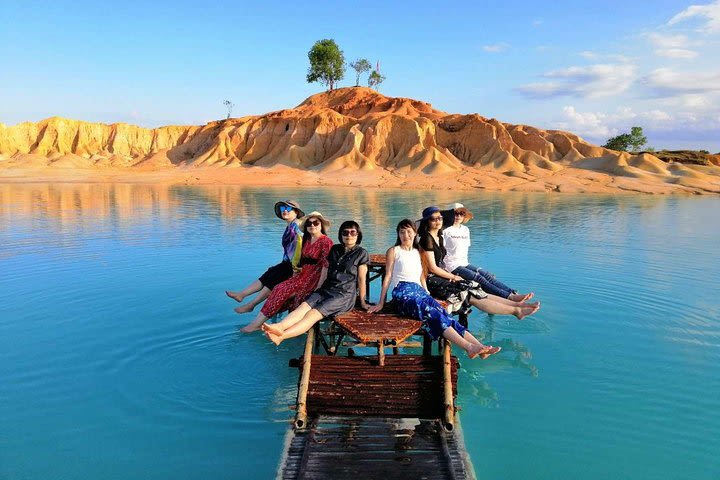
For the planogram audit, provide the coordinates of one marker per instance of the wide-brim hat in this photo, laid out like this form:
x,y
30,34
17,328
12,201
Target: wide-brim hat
x,y
428,212
319,216
459,207
290,203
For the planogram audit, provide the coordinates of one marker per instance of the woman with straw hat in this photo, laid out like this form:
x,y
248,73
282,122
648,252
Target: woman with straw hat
x,y
313,266
289,211
440,281
345,283
456,238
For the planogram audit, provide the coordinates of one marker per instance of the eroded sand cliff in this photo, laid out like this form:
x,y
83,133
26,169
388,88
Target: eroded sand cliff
x,y
351,136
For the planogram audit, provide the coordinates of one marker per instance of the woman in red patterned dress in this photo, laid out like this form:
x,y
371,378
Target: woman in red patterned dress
x,y
315,249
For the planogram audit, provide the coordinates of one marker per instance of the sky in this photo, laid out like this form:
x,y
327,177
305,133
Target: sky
x,y
592,68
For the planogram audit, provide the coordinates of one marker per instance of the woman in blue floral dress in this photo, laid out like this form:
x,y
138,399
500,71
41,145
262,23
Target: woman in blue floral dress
x,y
405,278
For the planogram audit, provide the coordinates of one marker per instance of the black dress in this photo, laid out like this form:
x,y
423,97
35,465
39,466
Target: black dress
x,y
339,291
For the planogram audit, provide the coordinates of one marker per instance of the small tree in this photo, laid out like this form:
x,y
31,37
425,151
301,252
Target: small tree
x,y
621,143
229,105
327,63
360,66
637,139
627,142
375,79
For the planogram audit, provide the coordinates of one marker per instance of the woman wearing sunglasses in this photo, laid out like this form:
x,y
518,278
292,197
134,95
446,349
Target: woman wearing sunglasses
x,y
457,242
289,211
433,250
346,275
313,270
405,278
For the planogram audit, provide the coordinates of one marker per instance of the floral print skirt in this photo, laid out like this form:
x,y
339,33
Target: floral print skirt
x,y
412,300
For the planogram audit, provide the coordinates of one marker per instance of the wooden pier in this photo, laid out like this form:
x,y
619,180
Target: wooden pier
x,y
376,415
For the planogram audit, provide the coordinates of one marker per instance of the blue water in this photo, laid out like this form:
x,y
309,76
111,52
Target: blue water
x,y
120,355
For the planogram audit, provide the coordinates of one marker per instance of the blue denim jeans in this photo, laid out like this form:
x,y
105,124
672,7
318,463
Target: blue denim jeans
x,y
487,280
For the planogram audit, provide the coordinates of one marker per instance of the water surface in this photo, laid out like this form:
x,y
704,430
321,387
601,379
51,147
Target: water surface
x,y
120,355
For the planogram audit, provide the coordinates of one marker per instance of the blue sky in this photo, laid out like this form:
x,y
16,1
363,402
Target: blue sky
x,y
594,68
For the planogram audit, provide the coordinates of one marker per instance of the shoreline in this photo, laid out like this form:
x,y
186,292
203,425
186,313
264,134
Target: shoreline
x,y
568,180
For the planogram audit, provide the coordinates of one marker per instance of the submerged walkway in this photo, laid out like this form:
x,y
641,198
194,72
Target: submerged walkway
x,y
370,447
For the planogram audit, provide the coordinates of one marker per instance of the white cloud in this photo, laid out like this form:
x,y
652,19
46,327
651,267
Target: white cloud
x,y
603,56
537,22
603,125
586,124
496,48
708,14
664,82
677,53
673,46
668,41
586,82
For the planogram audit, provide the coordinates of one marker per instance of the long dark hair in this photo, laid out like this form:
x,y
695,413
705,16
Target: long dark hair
x,y
407,223
350,224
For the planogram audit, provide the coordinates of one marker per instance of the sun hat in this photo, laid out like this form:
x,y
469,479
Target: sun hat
x,y
459,207
290,203
427,213
317,215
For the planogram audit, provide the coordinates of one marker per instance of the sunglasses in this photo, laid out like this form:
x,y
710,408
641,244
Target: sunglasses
x,y
285,208
313,223
460,214
349,233
435,219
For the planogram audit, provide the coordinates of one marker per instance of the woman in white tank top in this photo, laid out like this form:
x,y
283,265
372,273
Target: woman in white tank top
x,y
404,270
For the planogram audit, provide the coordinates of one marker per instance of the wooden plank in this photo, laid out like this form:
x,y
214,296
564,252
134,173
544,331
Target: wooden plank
x,y
375,447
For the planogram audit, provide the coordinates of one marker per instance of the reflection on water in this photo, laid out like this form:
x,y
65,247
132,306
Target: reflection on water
x,y
117,341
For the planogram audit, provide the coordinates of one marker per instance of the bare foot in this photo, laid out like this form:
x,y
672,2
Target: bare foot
x,y
491,351
276,339
271,329
526,311
235,296
519,297
483,351
245,308
251,327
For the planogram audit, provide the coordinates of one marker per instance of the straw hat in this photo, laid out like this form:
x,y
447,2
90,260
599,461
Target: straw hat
x,y
290,203
319,216
459,207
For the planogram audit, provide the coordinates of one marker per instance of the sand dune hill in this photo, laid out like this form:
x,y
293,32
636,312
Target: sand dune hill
x,y
352,136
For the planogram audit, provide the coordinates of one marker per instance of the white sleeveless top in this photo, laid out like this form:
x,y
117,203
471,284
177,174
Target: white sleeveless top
x,y
407,267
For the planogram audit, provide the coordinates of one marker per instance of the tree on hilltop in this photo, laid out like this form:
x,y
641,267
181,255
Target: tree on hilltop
x,y
229,105
627,142
375,79
327,63
361,65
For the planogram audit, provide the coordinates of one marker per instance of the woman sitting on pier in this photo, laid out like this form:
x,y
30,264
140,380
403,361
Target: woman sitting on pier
x,y
288,210
405,278
433,250
345,279
313,270
456,237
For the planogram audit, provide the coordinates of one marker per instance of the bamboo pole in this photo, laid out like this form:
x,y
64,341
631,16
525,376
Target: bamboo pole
x,y
381,352
301,416
447,381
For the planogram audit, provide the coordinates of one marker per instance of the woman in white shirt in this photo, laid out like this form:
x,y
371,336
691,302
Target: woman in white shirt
x,y
404,273
457,243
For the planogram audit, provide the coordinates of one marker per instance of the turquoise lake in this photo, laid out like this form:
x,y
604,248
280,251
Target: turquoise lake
x,y
120,355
